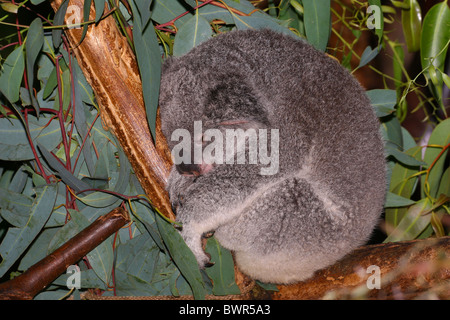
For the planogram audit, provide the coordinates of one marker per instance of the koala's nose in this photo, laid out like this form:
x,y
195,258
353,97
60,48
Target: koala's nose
x,y
188,169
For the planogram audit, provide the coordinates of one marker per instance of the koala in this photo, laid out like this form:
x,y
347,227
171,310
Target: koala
x,y
310,185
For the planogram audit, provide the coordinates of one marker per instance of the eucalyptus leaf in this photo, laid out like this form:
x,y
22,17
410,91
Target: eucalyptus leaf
x,y
17,240
412,25
59,20
222,272
15,207
383,101
33,46
164,11
183,257
66,176
444,187
317,19
139,266
149,61
434,44
14,144
394,200
257,21
403,157
415,220
380,29
11,74
195,31
368,55
439,137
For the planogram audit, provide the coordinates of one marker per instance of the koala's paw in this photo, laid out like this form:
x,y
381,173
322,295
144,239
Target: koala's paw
x,y
193,241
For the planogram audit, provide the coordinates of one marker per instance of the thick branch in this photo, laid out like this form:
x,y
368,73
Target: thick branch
x,y
43,273
110,66
408,269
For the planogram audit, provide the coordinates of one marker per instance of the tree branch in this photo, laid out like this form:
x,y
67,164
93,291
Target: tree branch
x,y
43,273
110,67
408,269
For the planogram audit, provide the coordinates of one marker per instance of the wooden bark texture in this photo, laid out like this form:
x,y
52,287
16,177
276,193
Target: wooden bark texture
x,y
110,67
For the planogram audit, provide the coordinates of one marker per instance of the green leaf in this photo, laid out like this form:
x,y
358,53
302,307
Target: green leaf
x,y
15,207
416,219
392,132
403,183
393,200
368,55
143,269
143,8
434,43
183,257
33,46
66,176
444,188
222,272
439,137
11,74
412,25
14,145
403,157
259,21
59,20
195,31
164,11
149,62
119,175
99,8
380,30
383,101
17,240
101,258
317,19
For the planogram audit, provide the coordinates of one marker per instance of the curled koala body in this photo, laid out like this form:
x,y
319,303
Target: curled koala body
x,y
325,193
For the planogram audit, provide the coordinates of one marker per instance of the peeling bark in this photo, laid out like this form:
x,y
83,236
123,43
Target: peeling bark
x,y
110,67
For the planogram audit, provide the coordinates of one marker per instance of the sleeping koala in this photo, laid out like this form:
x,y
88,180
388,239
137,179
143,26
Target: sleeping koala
x,y
277,151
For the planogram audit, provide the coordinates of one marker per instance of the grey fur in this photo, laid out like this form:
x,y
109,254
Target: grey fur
x,y
329,191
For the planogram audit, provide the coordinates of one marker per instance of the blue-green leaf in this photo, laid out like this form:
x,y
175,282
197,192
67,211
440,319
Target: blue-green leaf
x,y
439,137
368,55
222,272
412,25
33,46
183,257
59,20
14,144
383,101
11,74
18,239
394,200
317,19
415,220
195,31
149,61
380,29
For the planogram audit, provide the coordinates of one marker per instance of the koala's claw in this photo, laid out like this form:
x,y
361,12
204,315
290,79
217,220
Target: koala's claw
x,y
208,234
209,263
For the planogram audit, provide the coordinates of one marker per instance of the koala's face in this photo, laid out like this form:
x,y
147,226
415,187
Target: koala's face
x,y
198,107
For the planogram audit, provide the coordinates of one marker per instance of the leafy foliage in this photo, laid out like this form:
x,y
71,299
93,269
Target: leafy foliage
x,y
60,170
